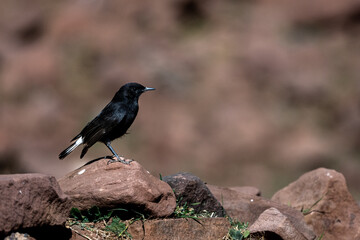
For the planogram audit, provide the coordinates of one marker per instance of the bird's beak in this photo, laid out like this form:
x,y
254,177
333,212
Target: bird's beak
x,y
149,89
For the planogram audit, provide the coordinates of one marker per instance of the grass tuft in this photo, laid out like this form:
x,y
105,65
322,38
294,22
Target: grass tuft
x,y
105,224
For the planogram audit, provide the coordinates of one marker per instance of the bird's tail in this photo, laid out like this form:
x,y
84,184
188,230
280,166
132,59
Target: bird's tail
x,y
71,148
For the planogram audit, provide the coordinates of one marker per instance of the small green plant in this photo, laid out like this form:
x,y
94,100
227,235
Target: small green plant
x,y
111,222
237,231
184,211
93,214
321,236
187,211
309,210
118,227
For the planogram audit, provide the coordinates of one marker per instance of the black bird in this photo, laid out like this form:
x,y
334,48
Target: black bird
x,y
112,122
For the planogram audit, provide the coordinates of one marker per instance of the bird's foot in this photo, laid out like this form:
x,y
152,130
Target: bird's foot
x,y
119,159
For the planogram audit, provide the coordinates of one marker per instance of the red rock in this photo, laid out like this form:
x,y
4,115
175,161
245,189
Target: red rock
x,y
274,222
333,211
247,208
163,229
184,229
118,184
248,190
31,200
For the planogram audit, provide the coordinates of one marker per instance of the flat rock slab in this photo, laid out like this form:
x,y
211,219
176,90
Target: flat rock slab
x,y
31,200
190,189
118,185
180,229
164,229
329,207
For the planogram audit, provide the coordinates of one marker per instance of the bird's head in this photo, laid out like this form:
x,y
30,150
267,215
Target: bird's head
x,y
131,91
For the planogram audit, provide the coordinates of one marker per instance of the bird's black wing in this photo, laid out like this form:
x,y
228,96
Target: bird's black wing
x,y
96,130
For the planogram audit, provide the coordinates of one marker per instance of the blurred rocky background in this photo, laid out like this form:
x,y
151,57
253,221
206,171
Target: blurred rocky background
x,y
248,92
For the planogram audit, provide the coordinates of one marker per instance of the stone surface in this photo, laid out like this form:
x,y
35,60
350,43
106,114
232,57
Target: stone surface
x,y
316,11
174,229
248,190
118,185
19,236
190,189
180,229
247,208
31,200
273,221
330,207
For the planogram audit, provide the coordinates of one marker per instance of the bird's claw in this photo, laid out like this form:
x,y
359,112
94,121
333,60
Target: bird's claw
x,y
118,159
111,161
126,162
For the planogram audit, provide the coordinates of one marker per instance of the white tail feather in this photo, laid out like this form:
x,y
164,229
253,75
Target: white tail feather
x,y
71,148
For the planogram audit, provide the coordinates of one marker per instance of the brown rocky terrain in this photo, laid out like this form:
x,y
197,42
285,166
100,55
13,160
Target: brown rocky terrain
x,y
248,92
100,201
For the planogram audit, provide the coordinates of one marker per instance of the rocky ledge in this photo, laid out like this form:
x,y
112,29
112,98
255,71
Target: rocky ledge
x,y
179,206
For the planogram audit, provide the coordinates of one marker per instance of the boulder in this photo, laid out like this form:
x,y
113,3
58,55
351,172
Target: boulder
x,y
30,201
118,185
190,189
272,222
326,202
248,207
180,229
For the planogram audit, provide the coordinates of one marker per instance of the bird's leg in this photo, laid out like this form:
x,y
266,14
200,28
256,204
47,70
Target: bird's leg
x,y
116,155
